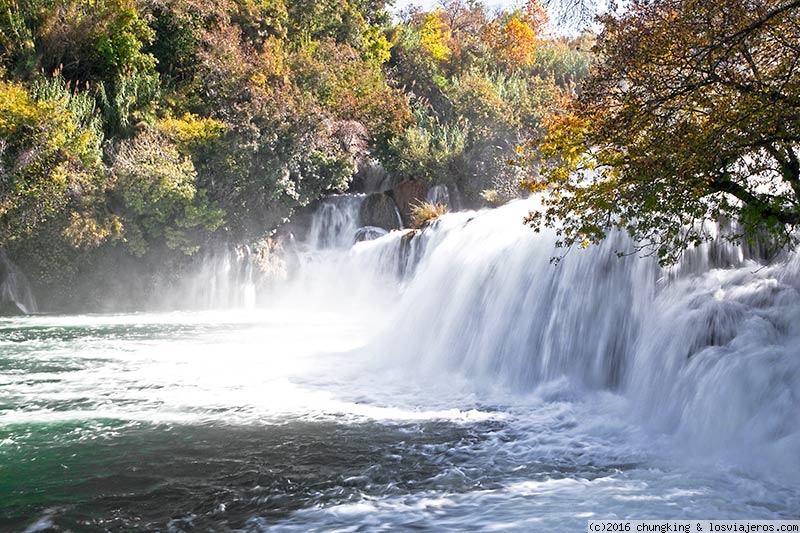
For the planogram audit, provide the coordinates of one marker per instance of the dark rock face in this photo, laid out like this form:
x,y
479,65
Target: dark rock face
x,y
406,194
378,209
9,308
445,194
16,296
299,224
369,233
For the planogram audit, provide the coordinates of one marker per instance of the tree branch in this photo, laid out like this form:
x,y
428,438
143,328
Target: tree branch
x,y
723,183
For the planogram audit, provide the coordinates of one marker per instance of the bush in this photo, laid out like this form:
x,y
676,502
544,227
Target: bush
x,y
424,213
157,187
49,155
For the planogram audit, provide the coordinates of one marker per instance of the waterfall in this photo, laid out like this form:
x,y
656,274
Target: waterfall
x,y
441,194
717,358
223,277
335,222
701,352
15,290
485,301
242,276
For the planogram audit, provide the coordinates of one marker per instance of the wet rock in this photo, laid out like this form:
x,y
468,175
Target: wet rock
x,y
405,195
300,222
369,233
445,194
379,210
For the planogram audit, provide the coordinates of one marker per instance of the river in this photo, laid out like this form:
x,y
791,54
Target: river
x,y
453,381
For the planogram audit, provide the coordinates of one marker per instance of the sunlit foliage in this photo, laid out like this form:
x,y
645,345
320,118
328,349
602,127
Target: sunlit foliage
x,y
49,155
434,36
482,93
424,213
693,115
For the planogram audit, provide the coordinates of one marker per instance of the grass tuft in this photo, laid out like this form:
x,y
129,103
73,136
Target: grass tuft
x,y
424,213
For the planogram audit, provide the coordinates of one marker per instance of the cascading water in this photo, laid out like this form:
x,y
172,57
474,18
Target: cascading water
x,y
335,222
710,356
441,194
443,379
716,363
686,346
511,317
15,290
225,276
222,278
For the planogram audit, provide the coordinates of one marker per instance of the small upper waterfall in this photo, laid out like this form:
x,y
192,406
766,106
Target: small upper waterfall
x,y
15,290
441,194
335,222
225,278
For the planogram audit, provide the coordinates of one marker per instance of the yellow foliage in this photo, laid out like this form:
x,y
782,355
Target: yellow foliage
x,y
376,46
258,79
519,43
434,36
84,231
49,160
190,131
16,107
515,41
533,185
565,136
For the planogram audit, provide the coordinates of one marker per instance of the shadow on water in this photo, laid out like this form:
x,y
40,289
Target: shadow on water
x,y
110,475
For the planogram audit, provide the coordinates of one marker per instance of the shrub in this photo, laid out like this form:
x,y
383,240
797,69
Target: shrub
x,y
424,213
157,187
49,155
427,151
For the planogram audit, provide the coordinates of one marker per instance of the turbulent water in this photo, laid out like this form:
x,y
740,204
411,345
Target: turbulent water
x,y
449,380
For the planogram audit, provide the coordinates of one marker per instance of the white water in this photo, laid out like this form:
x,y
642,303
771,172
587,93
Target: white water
x,y
709,357
486,388
335,222
224,278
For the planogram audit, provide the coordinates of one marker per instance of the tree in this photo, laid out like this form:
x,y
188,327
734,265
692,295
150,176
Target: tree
x,y
514,37
156,186
434,36
692,114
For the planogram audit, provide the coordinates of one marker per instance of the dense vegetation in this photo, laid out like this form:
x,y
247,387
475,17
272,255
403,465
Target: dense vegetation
x,y
149,129
692,115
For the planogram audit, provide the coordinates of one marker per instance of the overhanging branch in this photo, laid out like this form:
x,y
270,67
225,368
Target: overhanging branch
x,y
724,184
